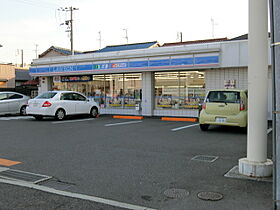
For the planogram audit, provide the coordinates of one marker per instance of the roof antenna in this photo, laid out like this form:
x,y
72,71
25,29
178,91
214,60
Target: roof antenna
x,y
99,39
213,27
180,36
126,36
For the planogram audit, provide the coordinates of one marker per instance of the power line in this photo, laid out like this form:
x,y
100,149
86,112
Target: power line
x,y
41,4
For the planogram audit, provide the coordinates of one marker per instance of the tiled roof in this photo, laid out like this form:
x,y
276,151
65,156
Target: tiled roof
x,y
31,82
195,42
243,37
22,75
128,47
62,51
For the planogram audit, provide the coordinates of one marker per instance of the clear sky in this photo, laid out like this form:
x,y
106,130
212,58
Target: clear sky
x,y
27,23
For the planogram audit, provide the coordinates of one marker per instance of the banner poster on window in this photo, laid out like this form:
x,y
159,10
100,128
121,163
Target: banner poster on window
x,y
80,78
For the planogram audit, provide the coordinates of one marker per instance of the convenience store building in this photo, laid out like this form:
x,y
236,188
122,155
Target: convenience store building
x,y
158,81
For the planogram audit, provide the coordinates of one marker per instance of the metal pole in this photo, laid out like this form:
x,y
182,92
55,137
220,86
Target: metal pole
x,y
71,30
275,53
273,103
21,58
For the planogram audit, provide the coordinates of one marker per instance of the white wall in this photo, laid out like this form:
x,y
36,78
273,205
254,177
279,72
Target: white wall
x,y
147,104
45,84
214,79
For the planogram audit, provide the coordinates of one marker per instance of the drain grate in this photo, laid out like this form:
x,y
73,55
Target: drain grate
x,y
176,193
23,176
56,184
205,158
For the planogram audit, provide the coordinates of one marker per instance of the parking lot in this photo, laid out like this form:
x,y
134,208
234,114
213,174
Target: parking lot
x,y
134,162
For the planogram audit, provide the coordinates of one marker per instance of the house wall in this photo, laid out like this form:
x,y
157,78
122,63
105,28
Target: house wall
x,y
7,72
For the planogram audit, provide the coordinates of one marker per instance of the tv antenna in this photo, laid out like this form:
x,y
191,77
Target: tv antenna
x,y
213,27
126,35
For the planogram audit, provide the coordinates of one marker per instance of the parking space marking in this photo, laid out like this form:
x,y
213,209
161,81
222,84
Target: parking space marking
x,y
75,195
188,126
71,121
124,123
16,118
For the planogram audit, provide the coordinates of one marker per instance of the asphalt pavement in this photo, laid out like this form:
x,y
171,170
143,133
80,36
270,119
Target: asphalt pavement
x,y
131,164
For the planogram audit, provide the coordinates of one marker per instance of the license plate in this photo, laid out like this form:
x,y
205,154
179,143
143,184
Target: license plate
x,y
220,119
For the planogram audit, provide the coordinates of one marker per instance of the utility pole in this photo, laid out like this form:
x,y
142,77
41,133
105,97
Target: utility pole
x,y
36,50
100,39
21,58
256,164
126,36
69,23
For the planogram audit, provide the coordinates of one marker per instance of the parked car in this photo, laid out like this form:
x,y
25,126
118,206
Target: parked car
x,y
13,103
224,107
60,104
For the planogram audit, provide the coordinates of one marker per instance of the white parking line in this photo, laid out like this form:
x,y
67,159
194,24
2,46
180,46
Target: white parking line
x,y
71,121
16,118
75,195
180,128
124,123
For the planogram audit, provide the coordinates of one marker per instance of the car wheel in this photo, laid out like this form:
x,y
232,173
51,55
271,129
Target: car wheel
x,y
93,112
60,114
204,127
23,110
38,117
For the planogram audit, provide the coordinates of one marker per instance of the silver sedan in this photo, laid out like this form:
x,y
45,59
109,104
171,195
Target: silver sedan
x,y
13,103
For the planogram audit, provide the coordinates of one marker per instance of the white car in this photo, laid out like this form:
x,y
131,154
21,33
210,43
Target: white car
x,y
13,103
60,104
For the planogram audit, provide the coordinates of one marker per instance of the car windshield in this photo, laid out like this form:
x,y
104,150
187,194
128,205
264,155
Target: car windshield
x,y
223,96
46,95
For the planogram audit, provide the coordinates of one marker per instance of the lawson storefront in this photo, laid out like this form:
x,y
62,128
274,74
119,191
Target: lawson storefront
x,y
163,81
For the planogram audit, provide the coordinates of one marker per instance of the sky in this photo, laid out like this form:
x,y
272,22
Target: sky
x,y
36,24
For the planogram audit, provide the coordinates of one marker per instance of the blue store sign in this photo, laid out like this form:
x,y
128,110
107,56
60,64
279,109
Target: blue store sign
x,y
169,63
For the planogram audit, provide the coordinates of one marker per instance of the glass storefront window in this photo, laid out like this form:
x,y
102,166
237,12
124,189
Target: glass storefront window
x,y
132,90
179,90
166,90
110,90
96,89
114,92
